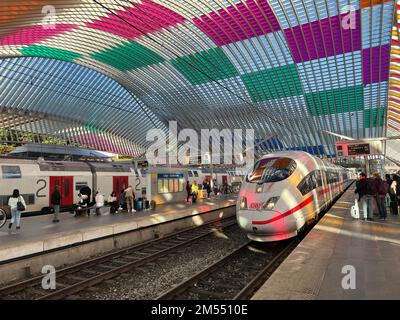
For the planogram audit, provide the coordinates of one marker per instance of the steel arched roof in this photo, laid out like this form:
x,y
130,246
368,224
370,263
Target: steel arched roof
x,y
286,68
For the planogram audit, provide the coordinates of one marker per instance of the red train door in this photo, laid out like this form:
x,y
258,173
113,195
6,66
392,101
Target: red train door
x,y
224,180
65,185
120,183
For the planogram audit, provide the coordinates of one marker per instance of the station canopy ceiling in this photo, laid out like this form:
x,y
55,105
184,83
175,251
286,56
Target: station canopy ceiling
x,y
103,72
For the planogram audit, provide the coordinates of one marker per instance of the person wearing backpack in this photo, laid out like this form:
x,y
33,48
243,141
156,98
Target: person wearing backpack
x,y
17,204
381,190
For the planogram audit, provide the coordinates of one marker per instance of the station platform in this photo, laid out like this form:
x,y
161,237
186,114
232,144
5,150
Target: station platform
x,y
336,249
38,234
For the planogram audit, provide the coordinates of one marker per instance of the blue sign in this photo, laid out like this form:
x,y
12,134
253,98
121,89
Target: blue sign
x,y
170,176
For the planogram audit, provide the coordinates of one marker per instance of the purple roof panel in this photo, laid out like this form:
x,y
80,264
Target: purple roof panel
x,y
323,38
375,62
244,21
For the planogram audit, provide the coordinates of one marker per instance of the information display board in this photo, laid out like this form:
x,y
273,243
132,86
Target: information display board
x,y
358,149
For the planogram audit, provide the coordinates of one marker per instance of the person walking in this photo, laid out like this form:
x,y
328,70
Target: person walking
x,y
17,205
130,198
381,191
56,202
188,190
195,191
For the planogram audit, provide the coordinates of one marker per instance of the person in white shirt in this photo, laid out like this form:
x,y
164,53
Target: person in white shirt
x,y
99,202
15,213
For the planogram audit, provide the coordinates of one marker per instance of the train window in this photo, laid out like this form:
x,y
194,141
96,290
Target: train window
x,y
11,172
271,170
196,174
190,174
80,185
309,182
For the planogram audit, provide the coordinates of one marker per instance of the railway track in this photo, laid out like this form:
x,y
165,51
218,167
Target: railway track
x,y
235,276
78,277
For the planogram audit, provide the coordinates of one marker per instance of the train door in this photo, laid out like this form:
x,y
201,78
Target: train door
x,y
120,183
224,180
65,186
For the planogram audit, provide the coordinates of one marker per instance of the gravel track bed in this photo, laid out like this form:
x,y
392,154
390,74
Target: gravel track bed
x,y
148,282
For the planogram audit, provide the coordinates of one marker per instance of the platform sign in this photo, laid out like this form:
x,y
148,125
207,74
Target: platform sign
x,y
357,149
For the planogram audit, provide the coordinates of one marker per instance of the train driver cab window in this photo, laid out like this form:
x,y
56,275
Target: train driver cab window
x,y
271,170
11,172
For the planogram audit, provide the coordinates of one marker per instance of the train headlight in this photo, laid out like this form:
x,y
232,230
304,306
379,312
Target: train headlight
x,y
243,203
270,204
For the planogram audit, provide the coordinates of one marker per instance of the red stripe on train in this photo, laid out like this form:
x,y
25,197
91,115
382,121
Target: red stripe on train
x,y
291,211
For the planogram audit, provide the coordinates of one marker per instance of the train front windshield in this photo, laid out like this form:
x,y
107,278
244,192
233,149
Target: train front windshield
x,y
271,170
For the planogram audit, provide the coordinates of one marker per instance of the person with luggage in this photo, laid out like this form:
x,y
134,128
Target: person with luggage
x,y
130,198
381,191
370,197
188,190
56,202
17,205
195,191
361,190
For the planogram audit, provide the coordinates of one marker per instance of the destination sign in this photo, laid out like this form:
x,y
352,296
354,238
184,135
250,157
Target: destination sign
x,y
358,149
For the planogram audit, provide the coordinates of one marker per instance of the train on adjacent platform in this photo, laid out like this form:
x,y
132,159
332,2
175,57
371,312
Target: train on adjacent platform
x,y
285,191
36,180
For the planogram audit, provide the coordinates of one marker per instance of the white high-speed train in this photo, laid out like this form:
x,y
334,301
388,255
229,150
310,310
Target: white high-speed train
x,y
285,191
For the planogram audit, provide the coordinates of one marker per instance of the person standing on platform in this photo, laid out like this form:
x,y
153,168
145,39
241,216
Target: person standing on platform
x,y
55,203
17,204
195,191
188,190
99,198
370,196
381,190
361,190
121,200
392,194
130,198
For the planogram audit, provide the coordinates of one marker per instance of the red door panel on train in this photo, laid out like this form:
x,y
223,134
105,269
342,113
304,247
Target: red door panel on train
x,y
65,185
224,180
120,183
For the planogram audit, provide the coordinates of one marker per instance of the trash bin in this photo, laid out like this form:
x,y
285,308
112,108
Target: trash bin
x,y
153,205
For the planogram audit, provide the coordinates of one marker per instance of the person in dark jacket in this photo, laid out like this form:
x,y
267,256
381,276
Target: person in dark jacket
x,y
381,190
86,200
363,197
55,203
188,190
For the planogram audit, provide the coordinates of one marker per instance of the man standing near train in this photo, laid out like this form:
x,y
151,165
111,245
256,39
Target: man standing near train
x,y
55,203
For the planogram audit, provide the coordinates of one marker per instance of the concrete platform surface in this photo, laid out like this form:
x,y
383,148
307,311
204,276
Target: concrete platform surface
x,y
40,234
341,259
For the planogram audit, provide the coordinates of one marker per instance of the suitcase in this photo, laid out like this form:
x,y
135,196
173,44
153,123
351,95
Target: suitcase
x,y
138,205
355,210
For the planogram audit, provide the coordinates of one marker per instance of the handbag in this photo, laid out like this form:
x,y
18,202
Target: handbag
x,y
355,211
20,206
